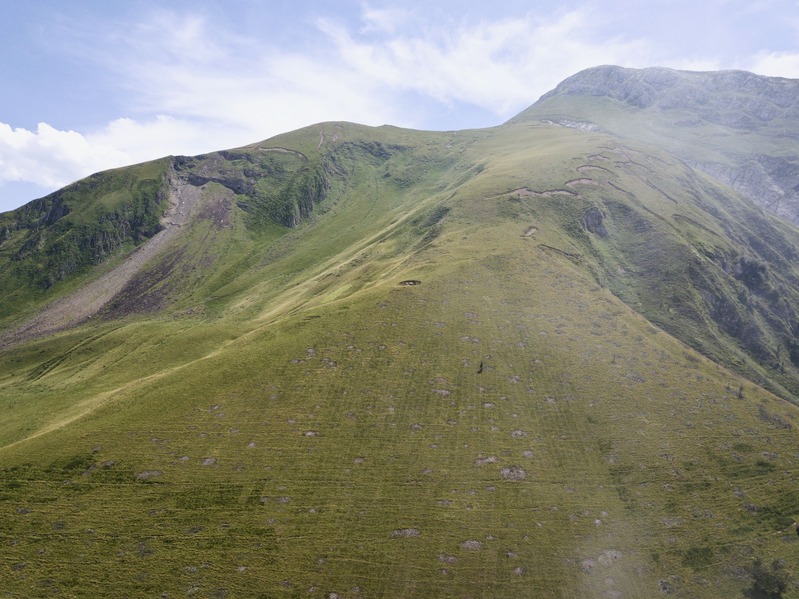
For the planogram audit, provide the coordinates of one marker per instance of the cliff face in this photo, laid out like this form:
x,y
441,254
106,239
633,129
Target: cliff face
x,y
737,127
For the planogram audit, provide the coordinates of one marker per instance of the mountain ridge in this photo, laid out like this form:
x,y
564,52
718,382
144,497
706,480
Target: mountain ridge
x,y
535,360
710,92
709,110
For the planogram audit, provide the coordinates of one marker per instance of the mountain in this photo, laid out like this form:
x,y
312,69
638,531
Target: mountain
x,y
553,358
738,127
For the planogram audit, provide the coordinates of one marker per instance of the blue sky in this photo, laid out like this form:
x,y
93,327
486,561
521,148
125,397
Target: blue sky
x,y
92,84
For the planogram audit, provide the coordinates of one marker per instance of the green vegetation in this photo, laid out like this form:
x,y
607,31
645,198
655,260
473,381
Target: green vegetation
x,y
67,232
587,392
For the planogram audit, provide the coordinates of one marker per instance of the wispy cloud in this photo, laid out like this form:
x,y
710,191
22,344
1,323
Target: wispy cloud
x,y
500,66
192,85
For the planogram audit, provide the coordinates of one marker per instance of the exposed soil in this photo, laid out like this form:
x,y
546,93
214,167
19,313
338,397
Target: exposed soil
x,y
591,167
582,181
405,533
87,301
530,231
526,192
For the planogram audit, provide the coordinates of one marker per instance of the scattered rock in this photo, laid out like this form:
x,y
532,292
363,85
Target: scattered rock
x,y
472,545
588,565
609,556
513,473
403,533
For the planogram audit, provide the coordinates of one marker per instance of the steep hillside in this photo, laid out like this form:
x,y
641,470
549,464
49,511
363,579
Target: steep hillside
x,y
738,127
526,361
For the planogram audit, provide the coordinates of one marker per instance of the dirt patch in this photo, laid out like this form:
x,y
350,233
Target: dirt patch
x,y
284,151
218,210
472,545
581,181
404,533
87,301
591,167
525,192
513,473
530,232
609,556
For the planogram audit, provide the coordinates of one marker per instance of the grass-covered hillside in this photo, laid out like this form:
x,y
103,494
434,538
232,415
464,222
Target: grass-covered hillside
x,y
738,127
527,361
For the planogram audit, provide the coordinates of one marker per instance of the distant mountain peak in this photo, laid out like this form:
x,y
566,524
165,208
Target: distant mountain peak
x,y
738,127
732,98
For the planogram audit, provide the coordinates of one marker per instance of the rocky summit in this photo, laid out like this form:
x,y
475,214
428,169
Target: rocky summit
x,y
558,357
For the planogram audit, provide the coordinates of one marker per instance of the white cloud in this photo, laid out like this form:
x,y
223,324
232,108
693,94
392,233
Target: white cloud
x,y
500,66
215,88
50,157
693,64
776,64
386,20
191,67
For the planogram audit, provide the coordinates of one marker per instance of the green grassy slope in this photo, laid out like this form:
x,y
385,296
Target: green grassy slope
x,y
269,411
48,244
738,127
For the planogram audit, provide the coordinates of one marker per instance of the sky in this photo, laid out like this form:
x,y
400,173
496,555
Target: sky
x,y
88,85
